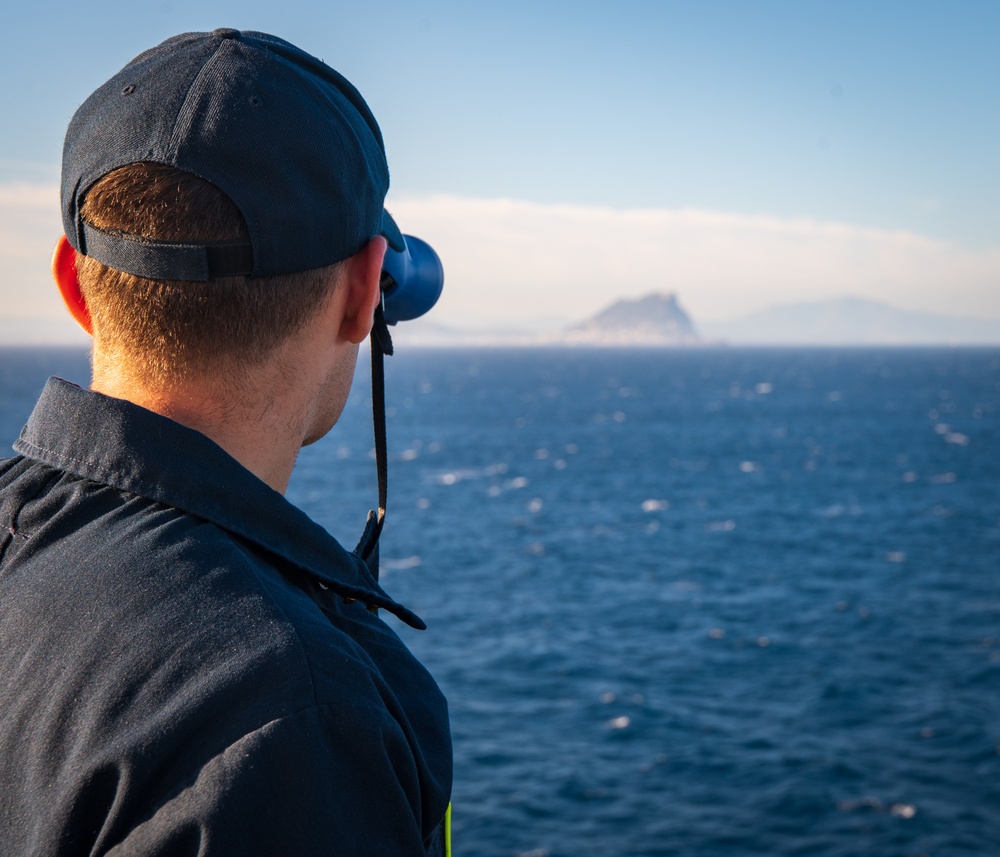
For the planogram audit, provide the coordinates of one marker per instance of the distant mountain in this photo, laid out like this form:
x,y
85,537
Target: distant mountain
x,y
660,320
656,319
852,321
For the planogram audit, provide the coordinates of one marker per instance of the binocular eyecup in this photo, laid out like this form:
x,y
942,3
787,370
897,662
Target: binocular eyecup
x,y
412,280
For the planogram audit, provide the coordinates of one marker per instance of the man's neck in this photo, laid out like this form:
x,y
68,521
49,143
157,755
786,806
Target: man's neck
x,y
259,421
263,414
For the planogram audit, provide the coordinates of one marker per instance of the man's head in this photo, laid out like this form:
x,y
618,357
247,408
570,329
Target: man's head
x,y
209,187
165,331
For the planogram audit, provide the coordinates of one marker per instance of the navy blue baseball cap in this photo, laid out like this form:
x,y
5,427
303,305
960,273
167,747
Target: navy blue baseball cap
x,y
289,140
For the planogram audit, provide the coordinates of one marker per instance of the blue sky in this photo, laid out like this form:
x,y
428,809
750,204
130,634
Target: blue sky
x,y
562,154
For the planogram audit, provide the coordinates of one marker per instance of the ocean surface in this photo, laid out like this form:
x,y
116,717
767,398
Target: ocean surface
x,y
688,602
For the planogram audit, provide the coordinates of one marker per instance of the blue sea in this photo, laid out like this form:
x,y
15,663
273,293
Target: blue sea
x,y
688,602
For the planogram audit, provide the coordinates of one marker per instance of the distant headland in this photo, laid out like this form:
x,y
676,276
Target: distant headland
x,y
656,319
659,320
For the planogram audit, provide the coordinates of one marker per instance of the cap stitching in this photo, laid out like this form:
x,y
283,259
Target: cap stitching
x,y
186,114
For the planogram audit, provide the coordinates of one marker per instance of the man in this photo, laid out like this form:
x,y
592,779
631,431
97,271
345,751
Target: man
x,y
190,665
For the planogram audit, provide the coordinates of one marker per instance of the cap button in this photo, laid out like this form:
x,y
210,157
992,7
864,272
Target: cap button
x,y
226,33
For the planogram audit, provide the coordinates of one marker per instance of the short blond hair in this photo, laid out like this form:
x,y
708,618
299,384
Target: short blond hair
x,y
166,330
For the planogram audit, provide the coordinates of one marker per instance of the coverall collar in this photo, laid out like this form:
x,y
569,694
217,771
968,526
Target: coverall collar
x,y
122,445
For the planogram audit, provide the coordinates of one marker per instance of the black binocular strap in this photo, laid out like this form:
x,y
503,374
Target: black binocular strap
x,y
381,344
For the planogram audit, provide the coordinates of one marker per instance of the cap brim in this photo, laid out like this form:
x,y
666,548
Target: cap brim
x,y
391,232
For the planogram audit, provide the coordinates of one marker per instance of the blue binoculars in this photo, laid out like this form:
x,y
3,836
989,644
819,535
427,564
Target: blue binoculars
x,y
412,280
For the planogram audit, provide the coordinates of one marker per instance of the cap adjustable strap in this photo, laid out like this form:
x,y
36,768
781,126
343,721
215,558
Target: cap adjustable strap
x,y
381,344
166,260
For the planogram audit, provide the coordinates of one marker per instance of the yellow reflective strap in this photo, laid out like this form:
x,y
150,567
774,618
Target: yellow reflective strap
x,y
447,832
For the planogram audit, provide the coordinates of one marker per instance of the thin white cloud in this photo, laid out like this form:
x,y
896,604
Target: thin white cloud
x,y
515,262
508,260
29,227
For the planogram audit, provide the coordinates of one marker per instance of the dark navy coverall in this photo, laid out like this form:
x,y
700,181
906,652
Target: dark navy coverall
x,y
189,665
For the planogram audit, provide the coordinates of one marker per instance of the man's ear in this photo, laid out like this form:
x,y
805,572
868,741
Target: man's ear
x,y
64,273
361,274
